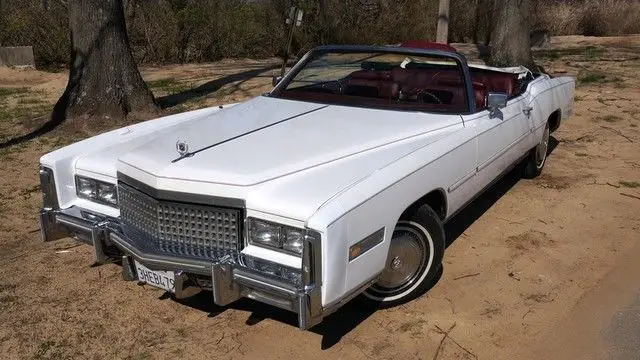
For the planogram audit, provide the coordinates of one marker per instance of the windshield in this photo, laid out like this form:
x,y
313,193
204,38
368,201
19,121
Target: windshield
x,y
379,79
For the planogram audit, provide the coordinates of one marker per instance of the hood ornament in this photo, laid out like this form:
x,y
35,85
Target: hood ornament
x,y
182,148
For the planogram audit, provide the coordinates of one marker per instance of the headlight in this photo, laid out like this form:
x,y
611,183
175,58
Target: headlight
x,y
270,268
276,236
96,190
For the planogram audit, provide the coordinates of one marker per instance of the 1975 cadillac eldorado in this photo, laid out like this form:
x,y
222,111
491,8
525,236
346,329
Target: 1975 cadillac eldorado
x,y
335,183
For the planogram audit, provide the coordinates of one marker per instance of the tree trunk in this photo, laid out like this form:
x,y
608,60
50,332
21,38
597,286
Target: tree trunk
x,y
323,9
442,31
104,80
510,34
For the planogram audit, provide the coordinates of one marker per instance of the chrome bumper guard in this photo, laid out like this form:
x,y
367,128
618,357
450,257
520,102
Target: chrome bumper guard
x,y
230,280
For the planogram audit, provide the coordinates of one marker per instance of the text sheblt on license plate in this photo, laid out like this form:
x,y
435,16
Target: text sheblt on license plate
x,y
161,279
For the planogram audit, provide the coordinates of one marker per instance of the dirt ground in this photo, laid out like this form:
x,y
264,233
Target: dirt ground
x,y
534,269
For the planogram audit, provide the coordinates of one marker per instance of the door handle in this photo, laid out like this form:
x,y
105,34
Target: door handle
x,y
527,111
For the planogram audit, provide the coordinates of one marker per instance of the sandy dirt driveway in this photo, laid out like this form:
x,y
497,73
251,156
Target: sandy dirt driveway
x,y
533,267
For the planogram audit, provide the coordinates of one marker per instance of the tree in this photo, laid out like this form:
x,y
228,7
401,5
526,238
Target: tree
x,y
510,44
442,32
104,80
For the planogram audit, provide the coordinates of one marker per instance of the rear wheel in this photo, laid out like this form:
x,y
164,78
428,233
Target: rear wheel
x,y
537,156
414,259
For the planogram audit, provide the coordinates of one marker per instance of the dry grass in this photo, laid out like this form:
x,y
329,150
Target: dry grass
x,y
610,17
590,18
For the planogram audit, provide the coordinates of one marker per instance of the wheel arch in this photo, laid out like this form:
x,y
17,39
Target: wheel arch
x,y
435,199
554,120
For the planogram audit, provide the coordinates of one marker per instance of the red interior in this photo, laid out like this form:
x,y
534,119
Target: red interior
x,y
431,88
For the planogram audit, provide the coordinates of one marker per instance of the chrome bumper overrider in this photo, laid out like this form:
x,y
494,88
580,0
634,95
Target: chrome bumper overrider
x,y
229,280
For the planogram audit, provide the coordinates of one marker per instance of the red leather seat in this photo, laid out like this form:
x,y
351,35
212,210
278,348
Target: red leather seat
x,y
479,89
388,84
480,95
497,82
378,84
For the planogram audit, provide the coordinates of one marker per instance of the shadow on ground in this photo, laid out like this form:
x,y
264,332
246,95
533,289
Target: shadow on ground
x,y
49,125
213,86
348,317
58,115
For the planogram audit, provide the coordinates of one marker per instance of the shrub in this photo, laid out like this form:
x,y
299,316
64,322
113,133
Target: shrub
x,y
170,31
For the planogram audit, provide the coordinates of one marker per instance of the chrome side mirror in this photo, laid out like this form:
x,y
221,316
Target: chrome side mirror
x,y
276,80
495,102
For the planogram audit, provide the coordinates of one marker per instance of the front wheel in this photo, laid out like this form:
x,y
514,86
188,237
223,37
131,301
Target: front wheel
x,y
414,259
537,157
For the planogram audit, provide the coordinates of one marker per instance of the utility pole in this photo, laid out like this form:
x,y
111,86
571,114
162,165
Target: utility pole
x,y
293,20
442,34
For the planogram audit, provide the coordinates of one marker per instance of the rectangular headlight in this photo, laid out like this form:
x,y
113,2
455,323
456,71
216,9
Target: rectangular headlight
x,y
96,190
276,236
271,268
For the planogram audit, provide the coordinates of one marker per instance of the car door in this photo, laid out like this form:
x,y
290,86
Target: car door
x,y
498,138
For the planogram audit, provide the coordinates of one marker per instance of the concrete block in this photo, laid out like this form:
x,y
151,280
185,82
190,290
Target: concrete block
x,y
17,56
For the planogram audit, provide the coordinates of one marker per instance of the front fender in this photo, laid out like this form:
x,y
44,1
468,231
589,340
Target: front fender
x,y
379,200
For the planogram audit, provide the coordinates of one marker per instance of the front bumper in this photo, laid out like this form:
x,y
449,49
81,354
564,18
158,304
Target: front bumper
x,y
229,280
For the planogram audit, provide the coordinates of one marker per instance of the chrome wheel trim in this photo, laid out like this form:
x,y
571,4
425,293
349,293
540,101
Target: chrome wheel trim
x,y
542,148
374,292
404,261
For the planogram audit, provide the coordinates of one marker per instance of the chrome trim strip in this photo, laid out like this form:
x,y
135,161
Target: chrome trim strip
x,y
500,122
485,188
264,297
180,196
350,296
310,311
160,262
499,154
48,189
461,181
260,282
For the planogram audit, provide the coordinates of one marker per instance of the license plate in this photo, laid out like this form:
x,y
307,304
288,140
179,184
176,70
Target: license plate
x,y
160,279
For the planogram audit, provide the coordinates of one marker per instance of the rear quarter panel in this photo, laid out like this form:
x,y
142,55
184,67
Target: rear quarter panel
x,y
548,96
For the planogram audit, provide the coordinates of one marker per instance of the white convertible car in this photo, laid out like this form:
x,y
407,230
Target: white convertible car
x,y
335,183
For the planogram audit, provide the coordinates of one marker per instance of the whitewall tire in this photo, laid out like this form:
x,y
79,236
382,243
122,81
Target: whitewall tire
x,y
414,259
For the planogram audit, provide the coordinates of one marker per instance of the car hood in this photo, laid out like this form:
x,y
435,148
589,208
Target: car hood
x,y
298,152
265,139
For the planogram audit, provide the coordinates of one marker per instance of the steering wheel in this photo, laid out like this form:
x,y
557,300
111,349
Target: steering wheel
x,y
334,86
422,93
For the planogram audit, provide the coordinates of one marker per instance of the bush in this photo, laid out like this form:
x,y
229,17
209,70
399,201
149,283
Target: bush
x,y
27,22
610,17
174,31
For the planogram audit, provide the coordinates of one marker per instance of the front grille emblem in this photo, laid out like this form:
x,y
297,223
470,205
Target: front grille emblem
x,y
182,148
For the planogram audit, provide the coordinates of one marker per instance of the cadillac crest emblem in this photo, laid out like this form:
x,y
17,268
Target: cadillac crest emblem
x,y
182,147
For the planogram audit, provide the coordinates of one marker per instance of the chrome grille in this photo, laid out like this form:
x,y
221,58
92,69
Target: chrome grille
x,y
174,228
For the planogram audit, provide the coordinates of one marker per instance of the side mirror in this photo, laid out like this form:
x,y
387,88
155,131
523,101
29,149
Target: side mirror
x,y
495,102
276,80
